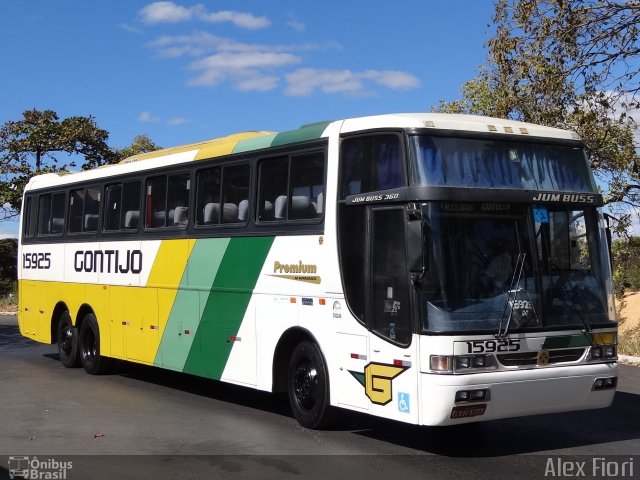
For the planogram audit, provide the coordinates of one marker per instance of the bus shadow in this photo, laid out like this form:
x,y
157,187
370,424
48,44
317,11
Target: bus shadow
x,y
205,387
10,338
524,435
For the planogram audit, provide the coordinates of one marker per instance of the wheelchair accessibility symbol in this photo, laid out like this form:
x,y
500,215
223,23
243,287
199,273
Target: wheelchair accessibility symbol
x,y
404,405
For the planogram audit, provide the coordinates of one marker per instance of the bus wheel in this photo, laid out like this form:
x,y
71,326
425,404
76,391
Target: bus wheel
x,y
68,342
89,343
308,386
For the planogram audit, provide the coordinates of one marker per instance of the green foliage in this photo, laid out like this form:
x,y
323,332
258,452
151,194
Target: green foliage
x,y
140,144
626,264
571,64
8,265
35,144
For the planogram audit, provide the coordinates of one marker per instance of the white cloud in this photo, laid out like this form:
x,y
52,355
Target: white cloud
x,y
202,43
147,117
130,28
165,12
246,70
306,81
239,19
177,121
169,12
295,24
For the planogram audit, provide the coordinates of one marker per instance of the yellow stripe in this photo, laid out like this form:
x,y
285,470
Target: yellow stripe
x,y
224,146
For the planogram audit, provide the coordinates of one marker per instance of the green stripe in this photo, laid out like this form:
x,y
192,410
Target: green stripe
x,y
195,286
254,143
304,133
226,305
569,341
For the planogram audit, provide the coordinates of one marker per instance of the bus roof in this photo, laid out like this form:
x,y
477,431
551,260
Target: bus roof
x,y
249,141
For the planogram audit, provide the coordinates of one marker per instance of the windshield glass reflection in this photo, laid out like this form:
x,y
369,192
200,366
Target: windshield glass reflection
x,y
493,265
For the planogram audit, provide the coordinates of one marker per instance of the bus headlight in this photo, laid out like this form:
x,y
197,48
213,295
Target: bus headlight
x,y
440,363
609,352
602,352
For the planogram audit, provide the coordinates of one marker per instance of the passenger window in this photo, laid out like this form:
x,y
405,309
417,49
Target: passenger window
x,y
291,188
156,202
130,211
371,163
112,207
178,200
51,214
307,186
208,196
274,179
168,201
235,193
30,221
76,210
91,210
223,195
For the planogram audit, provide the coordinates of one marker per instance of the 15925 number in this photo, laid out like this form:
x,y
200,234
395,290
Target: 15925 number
x,y
492,346
41,261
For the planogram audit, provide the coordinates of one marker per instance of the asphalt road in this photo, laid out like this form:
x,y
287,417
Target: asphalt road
x,y
143,422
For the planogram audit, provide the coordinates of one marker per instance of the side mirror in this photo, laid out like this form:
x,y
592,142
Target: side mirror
x,y
607,231
415,247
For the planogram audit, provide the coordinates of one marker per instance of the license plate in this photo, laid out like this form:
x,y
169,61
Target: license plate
x,y
466,411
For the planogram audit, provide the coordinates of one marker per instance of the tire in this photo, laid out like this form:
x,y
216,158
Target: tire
x,y
89,347
308,386
67,340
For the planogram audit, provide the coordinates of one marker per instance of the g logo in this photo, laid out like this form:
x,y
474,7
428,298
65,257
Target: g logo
x,y
377,381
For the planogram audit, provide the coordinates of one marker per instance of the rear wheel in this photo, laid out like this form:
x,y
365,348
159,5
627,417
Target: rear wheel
x,y
308,386
89,345
68,342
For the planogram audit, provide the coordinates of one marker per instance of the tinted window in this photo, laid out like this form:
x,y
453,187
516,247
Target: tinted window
x,y
371,163
291,188
51,214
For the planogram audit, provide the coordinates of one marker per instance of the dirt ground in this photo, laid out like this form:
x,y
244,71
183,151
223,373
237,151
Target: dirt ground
x,y
631,311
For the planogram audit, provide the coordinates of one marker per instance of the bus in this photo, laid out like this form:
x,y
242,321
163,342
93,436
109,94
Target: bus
x,y
433,269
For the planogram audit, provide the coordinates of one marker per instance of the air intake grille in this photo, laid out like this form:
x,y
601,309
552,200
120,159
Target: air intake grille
x,y
529,359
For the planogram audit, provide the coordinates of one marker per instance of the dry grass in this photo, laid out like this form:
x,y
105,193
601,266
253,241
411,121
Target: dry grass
x,y
629,331
9,303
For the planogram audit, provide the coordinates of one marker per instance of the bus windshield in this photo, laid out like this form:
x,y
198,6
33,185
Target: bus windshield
x,y
491,163
497,264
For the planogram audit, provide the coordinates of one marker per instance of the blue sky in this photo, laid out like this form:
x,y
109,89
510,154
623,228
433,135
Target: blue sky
x,y
187,71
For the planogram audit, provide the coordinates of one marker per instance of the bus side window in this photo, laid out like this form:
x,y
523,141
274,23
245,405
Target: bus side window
x,y
273,181
208,196
112,206
178,200
130,211
156,202
91,209
235,191
51,210
307,184
371,163
76,208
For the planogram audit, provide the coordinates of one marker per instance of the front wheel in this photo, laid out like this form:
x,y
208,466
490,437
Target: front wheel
x,y
89,343
308,386
68,342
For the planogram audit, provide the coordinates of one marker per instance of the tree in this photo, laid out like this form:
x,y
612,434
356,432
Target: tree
x,y
34,145
572,64
8,265
140,144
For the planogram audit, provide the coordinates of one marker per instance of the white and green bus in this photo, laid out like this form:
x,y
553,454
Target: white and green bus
x,y
429,268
